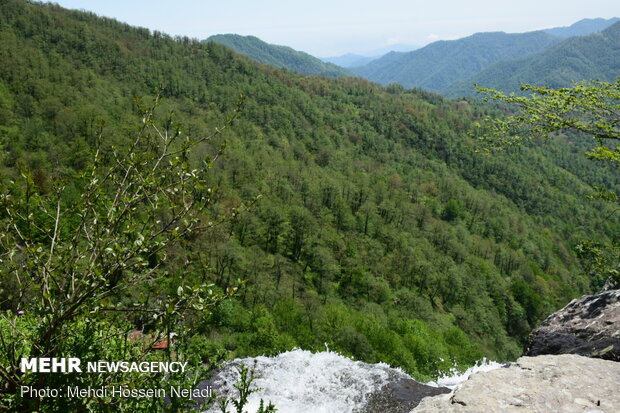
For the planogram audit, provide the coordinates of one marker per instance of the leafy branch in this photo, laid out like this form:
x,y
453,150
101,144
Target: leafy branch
x,y
72,253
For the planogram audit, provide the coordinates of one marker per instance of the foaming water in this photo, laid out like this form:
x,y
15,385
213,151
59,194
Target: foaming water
x,y
455,377
300,381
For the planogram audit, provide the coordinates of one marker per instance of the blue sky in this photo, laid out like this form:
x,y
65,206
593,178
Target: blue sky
x,y
327,28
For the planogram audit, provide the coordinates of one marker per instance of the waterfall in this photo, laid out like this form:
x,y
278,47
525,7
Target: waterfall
x,y
300,381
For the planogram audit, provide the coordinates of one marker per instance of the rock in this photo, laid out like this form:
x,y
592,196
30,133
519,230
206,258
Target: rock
x,y
588,326
400,396
610,284
551,383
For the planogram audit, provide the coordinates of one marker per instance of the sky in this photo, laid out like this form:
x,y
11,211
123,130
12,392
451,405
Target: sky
x,y
330,27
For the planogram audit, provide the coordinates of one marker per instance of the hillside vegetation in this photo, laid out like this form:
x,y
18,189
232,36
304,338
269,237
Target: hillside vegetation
x,y
379,229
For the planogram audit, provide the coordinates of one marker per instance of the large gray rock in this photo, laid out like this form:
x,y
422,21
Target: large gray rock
x,y
588,326
399,396
560,384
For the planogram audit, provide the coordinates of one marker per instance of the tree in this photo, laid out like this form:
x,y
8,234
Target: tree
x,y
452,210
590,108
81,264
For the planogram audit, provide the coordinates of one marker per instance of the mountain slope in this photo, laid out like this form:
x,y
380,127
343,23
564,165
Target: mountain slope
x,y
440,64
582,27
278,56
380,230
596,56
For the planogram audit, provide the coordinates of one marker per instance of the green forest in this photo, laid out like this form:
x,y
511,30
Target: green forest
x,y
340,213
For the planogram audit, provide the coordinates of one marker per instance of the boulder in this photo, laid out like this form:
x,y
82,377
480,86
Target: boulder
x,y
399,396
588,326
610,284
550,383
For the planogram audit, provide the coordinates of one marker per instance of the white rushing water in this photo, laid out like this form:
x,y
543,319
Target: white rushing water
x,y
455,377
300,381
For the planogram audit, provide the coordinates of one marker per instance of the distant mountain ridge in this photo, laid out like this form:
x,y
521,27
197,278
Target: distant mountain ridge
x,y
596,56
441,63
582,27
555,57
278,56
451,67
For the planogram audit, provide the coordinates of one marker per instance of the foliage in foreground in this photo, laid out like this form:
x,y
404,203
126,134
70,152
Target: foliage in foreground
x,y
84,263
246,377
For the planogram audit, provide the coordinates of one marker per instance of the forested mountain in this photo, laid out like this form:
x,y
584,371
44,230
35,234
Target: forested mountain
x,y
442,63
278,56
596,56
582,27
380,229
